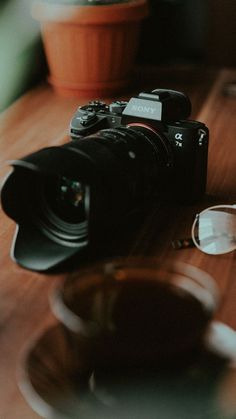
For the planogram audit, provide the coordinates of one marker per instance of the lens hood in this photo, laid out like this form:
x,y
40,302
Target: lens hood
x,y
25,250
33,248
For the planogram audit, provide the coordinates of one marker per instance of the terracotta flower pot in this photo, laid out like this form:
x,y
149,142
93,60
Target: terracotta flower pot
x,y
90,48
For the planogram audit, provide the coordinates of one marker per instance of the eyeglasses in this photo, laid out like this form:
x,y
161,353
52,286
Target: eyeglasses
x,y
213,231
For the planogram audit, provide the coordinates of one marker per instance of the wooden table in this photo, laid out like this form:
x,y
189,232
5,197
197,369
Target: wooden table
x,y
41,118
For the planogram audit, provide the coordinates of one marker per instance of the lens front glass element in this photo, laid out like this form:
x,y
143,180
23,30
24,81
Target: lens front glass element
x,y
66,198
63,207
214,230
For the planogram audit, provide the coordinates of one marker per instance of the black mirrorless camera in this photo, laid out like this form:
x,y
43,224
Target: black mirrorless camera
x,y
65,199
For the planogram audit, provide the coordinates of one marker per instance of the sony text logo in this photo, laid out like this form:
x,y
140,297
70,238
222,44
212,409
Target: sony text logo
x,y
144,109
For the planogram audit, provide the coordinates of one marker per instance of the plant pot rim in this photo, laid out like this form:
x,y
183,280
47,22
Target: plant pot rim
x,y
103,14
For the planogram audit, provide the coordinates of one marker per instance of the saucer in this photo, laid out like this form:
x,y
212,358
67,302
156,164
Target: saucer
x,y
59,380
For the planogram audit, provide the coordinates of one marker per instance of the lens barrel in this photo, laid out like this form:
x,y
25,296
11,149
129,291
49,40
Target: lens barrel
x,y
134,162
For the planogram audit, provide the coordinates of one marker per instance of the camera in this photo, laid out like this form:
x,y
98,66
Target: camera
x,y
121,156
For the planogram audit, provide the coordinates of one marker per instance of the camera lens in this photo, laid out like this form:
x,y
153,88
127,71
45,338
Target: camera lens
x,y
80,192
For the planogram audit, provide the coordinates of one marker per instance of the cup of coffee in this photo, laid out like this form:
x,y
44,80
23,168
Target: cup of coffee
x,y
137,311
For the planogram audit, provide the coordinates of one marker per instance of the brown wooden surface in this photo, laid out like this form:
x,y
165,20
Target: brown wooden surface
x,y
41,118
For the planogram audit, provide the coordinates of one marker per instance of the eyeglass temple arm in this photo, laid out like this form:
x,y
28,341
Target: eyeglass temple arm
x,y
182,243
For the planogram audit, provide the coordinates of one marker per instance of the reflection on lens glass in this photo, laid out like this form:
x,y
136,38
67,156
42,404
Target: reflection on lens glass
x,y
71,192
214,230
66,198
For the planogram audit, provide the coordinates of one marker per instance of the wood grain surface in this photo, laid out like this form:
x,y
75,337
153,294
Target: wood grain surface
x,y
41,118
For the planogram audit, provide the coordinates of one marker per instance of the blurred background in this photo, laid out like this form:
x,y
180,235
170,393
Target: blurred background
x,y
195,32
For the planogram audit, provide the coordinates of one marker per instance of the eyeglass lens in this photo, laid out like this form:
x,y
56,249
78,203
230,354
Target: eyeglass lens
x,y
214,230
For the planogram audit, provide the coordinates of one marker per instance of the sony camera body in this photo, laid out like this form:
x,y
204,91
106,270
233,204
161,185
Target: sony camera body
x,y
164,112
69,199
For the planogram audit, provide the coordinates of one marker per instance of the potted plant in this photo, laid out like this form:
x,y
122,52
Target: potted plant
x,y
90,45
